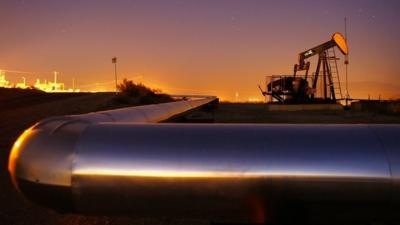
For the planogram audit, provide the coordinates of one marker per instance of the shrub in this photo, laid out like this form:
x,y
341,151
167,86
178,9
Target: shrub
x,y
132,93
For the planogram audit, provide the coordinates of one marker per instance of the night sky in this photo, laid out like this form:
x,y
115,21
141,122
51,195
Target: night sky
x,y
196,47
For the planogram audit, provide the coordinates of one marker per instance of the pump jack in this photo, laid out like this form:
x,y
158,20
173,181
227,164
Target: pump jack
x,y
295,88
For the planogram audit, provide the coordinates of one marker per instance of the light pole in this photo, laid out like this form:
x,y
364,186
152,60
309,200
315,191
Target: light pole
x,y
55,77
114,61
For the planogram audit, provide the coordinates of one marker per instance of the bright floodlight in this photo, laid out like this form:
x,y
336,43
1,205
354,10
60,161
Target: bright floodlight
x,y
340,42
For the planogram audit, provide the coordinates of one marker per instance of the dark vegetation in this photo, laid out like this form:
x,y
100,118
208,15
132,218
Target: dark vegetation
x,y
131,93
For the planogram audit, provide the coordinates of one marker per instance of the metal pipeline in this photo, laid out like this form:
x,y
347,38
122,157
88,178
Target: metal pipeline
x,y
57,131
212,171
141,114
104,163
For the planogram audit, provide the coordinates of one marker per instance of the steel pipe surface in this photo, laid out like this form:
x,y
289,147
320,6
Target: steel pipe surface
x,y
211,171
146,113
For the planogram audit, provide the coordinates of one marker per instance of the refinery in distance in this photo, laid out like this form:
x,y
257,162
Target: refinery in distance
x,y
46,86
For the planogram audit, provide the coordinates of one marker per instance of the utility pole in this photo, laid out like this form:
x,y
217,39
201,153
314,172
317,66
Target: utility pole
x,y
55,77
114,61
346,62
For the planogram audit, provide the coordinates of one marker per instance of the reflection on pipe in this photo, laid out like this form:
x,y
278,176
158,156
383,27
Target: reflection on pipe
x,y
215,174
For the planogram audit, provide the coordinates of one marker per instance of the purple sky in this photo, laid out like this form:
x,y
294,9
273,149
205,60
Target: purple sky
x,y
198,47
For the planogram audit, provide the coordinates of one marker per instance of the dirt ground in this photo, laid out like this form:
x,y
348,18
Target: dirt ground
x,y
21,111
258,113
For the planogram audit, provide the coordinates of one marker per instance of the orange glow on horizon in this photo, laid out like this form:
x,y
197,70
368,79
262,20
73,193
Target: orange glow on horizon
x,y
194,47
